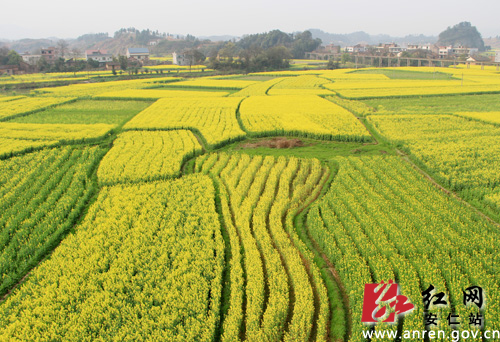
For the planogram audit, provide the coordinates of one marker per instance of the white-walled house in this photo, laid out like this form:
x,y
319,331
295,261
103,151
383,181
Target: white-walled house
x,y
100,56
180,59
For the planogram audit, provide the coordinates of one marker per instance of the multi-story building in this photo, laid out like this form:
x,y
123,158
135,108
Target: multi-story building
x,y
49,54
180,59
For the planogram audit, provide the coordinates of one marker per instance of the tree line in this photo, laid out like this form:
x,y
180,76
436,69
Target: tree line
x,y
264,51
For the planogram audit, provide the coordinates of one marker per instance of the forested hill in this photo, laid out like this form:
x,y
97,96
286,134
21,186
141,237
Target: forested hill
x,y
462,34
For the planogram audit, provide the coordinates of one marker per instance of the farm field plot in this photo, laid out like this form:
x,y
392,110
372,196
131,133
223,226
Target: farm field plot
x,y
423,90
146,261
306,115
25,105
464,158
351,75
87,112
382,220
259,196
250,207
408,73
146,155
259,88
43,194
491,117
62,132
300,85
445,81
19,137
214,83
92,89
436,104
54,77
173,67
10,98
408,88
154,94
214,118
11,147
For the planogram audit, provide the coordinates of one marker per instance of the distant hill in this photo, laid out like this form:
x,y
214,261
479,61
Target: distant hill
x,y
223,38
462,34
365,38
31,45
494,42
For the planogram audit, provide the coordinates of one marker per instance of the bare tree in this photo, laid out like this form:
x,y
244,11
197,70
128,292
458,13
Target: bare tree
x,y
75,52
62,48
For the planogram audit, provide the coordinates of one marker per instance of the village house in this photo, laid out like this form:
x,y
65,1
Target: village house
x,y
141,54
31,59
100,56
49,54
9,70
445,51
358,48
397,49
412,47
180,59
477,60
324,52
462,50
113,66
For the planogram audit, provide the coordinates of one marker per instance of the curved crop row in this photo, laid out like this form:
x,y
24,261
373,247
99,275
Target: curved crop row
x,y
146,262
262,195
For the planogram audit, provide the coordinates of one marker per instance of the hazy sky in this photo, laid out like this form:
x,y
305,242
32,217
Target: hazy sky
x,y
67,19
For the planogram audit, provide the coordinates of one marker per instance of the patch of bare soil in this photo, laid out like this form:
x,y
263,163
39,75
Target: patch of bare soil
x,y
277,142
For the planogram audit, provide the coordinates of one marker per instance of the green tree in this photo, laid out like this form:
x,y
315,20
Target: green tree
x,y
14,58
228,51
303,43
195,56
123,62
332,65
59,65
93,64
278,57
4,55
345,58
42,64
